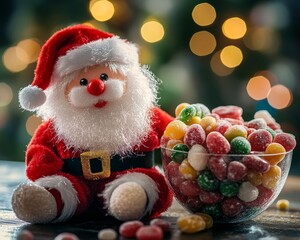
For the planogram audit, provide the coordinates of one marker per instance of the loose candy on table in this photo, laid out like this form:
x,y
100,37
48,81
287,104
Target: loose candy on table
x,y
130,228
207,219
25,235
283,204
191,223
164,225
66,236
107,234
150,232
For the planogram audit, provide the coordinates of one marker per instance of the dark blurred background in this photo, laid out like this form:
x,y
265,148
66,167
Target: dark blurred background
x,y
235,52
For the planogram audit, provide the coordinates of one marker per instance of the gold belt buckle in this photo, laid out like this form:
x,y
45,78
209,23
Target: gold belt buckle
x,y
102,156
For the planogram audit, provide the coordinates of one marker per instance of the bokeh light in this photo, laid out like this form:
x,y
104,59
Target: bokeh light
x,y
203,43
13,59
231,56
32,124
218,67
258,87
146,56
28,50
234,28
280,97
152,31
6,94
204,14
102,10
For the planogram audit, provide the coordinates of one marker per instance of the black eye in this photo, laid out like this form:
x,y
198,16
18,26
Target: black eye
x,y
84,82
103,76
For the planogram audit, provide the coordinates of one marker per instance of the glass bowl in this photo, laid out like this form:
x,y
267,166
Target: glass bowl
x,y
231,188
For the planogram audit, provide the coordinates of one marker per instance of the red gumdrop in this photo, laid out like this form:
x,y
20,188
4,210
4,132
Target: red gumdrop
x,y
258,123
214,115
216,143
235,121
259,140
195,134
232,206
189,188
236,171
193,203
164,225
222,126
130,228
173,175
210,197
218,167
229,111
287,140
274,125
263,197
250,130
256,163
149,233
164,141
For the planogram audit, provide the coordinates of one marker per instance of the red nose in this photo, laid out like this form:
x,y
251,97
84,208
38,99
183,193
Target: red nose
x,y
96,87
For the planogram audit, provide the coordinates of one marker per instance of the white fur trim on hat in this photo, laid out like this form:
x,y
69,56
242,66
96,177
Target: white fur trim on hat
x,y
31,97
67,192
110,50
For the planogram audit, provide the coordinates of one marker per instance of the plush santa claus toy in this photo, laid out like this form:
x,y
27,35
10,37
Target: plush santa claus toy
x,y
94,150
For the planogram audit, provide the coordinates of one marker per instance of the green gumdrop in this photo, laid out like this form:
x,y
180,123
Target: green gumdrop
x,y
187,113
214,210
240,145
229,189
179,152
207,181
201,110
270,130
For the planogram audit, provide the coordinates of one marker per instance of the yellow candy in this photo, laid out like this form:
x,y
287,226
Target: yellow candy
x,y
208,123
191,223
207,219
187,171
195,120
274,148
270,179
283,205
254,178
171,143
180,107
235,131
175,130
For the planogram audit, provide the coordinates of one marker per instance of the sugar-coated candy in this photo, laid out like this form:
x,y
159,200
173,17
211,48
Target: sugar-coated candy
x,y
287,140
197,157
229,111
229,189
175,130
216,143
150,232
210,197
213,210
255,163
107,234
187,114
66,236
276,151
208,123
189,188
283,204
187,171
128,229
179,108
259,140
247,192
163,224
195,134
273,132
258,123
235,131
232,206
240,145
264,115
173,174
254,178
236,171
25,235
270,179
218,167
195,120
191,223
179,152
207,181
207,219
171,143
250,130
193,203
222,126
201,109
164,141
263,197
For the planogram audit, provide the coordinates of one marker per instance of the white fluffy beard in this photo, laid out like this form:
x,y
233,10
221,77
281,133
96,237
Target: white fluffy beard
x,y
117,127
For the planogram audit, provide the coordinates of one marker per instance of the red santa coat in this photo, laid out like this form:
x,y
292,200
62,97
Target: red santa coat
x,y
45,157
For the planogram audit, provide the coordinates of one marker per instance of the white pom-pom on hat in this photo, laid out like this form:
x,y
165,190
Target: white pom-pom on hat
x,y
31,97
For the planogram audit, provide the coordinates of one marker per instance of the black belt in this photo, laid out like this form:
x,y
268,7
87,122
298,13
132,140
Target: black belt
x,y
97,165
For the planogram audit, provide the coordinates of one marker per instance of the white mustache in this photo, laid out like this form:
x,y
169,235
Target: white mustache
x,y
114,90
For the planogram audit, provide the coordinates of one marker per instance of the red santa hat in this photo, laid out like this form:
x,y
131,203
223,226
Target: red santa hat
x,y
72,49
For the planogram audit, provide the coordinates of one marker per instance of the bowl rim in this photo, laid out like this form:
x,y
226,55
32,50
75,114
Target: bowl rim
x,y
252,153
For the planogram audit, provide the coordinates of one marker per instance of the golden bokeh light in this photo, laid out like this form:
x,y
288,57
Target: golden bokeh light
x,y
280,97
32,124
231,56
28,50
145,55
6,94
258,87
102,10
12,61
204,14
152,31
203,43
218,67
234,28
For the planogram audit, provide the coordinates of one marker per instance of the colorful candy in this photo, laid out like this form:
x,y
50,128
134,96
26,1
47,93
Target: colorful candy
x,y
187,171
197,157
259,140
216,143
235,131
187,114
130,228
283,205
229,189
278,150
207,181
218,167
179,153
247,192
151,232
208,123
195,134
164,225
107,234
240,145
191,223
232,206
236,171
175,130
207,219
255,163
288,141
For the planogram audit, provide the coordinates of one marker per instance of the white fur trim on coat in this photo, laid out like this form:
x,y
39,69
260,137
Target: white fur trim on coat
x,y
143,180
112,50
67,192
31,97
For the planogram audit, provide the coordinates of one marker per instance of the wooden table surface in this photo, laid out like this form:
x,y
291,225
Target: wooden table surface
x,y
270,225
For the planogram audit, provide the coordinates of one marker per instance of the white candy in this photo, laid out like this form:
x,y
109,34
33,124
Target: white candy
x,y
247,192
264,115
107,234
197,157
66,236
